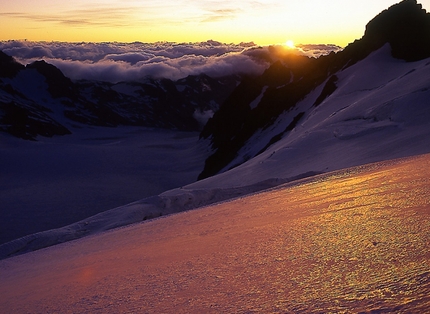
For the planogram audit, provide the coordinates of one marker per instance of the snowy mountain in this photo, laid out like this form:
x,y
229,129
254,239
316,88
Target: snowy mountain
x,y
378,110
296,98
38,99
301,117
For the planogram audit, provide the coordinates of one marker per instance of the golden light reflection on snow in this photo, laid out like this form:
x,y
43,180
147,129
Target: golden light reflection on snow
x,y
354,241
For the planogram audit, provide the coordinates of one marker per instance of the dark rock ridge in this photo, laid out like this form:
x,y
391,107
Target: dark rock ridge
x,y
405,26
38,99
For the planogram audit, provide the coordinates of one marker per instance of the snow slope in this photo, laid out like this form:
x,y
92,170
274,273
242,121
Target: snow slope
x,y
355,240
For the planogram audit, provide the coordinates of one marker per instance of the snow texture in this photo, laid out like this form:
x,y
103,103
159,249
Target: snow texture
x,y
352,240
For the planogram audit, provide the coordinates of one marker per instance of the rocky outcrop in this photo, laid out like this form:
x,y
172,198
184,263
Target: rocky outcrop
x,y
28,122
58,84
406,27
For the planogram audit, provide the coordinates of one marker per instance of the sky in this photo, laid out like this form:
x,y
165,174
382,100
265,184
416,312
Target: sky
x,y
264,22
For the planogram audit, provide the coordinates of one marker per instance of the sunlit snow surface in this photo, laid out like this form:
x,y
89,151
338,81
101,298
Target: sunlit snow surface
x,y
356,240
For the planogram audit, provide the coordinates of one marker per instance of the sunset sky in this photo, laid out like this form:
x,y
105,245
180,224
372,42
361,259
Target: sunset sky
x,y
262,21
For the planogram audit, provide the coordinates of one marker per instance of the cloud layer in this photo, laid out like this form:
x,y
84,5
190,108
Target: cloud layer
x,y
114,62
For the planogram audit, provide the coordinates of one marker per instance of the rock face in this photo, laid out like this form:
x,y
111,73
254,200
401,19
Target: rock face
x,y
58,84
38,99
28,122
405,26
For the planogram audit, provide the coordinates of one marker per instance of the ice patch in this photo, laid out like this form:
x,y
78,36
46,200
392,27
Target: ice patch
x,y
256,101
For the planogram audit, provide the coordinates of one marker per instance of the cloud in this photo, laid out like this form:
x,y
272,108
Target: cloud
x,y
220,15
115,62
130,57
82,16
318,50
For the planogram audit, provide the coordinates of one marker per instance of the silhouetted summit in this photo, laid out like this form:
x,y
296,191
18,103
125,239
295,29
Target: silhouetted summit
x,y
58,84
406,27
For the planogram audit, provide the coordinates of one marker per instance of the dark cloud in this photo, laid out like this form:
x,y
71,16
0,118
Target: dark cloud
x,y
116,62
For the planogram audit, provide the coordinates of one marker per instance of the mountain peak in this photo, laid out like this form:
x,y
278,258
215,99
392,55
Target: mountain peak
x,y
48,70
59,85
405,26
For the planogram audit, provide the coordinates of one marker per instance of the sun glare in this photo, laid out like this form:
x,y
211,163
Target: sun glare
x,y
289,44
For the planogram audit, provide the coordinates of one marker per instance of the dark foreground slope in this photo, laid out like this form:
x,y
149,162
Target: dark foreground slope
x,y
257,103
355,240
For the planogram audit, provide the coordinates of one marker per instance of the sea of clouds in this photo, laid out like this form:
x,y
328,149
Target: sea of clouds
x,y
115,62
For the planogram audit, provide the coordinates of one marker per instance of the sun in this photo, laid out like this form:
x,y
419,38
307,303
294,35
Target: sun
x,y
290,44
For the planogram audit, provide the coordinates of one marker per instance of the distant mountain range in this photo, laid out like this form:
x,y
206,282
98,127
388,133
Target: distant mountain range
x,y
38,99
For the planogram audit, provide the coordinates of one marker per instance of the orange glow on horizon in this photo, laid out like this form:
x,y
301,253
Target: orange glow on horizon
x,y
309,22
